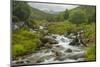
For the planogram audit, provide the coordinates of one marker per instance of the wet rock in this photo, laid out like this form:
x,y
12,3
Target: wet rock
x,y
68,50
76,55
47,45
52,41
74,42
71,56
47,57
54,37
34,59
60,57
57,52
58,47
71,36
46,51
40,60
63,40
49,39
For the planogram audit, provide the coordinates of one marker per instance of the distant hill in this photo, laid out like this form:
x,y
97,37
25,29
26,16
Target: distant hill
x,y
38,14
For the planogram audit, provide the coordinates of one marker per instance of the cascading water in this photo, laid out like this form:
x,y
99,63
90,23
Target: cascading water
x,y
61,52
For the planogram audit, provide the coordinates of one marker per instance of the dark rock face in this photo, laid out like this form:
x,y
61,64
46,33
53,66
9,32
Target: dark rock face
x,y
74,42
78,39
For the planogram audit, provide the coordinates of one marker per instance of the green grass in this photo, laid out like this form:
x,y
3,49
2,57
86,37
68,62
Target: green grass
x,y
91,53
24,42
62,27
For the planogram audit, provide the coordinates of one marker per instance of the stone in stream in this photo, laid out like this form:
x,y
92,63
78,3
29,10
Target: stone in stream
x,y
58,54
48,39
47,45
54,37
59,47
76,55
34,59
68,50
79,39
74,42
46,57
40,60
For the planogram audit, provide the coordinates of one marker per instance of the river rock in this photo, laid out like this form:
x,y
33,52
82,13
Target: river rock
x,y
57,52
74,42
76,55
58,47
47,57
52,41
47,45
40,60
49,39
68,50
54,37
34,59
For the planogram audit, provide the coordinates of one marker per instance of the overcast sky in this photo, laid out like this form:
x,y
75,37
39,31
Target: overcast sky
x,y
51,7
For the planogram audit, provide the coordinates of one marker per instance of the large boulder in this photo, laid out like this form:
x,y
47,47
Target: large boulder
x,y
49,39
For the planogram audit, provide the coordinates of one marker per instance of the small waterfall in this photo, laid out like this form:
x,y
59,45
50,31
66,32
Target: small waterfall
x,y
63,41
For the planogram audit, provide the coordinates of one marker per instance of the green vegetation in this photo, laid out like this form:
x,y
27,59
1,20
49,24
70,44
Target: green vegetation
x,y
78,17
69,21
21,11
91,53
24,42
62,27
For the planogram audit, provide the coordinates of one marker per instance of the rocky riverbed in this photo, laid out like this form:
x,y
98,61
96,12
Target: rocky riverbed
x,y
56,49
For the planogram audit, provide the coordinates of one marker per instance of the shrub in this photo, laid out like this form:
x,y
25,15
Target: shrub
x,y
62,27
91,30
18,50
15,19
24,42
77,17
21,10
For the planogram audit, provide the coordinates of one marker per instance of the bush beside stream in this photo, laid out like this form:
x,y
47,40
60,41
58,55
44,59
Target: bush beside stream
x,y
24,42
